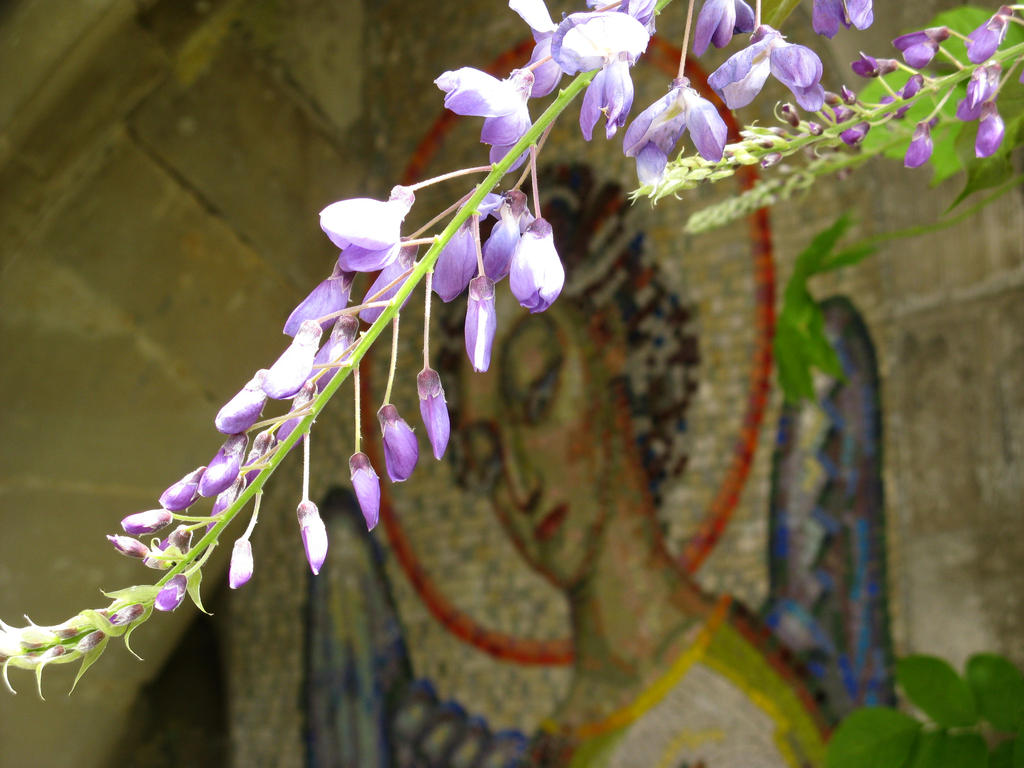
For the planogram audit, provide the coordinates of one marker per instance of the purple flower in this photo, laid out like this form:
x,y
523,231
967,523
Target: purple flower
x,y
456,263
919,48
150,521
982,87
920,148
180,539
172,594
314,535
128,546
300,401
855,135
355,258
127,615
369,224
244,409
366,484
743,75
718,21
327,298
481,322
433,408
536,277
223,467
240,570
341,338
390,273
535,14
181,495
504,237
868,66
401,450
471,92
290,371
990,131
653,135
983,41
612,42
829,14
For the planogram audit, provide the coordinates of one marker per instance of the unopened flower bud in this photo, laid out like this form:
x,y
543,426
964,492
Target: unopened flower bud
x,y
244,409
328,297
127,615
920,148
481,322
300,401
288,373
833,99
180,539
433,408
789,114
366,485
150,521
181,495
240,570
314,535
990,131
227,497
223,467
341,338
390,274
401,449
848,96
261,447
536,277
172,593
456,264
855,135
90,641
772,158
129,546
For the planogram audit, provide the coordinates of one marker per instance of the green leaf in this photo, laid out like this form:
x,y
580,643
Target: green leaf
x,y
938,749
998,688
1008,754
936,689
192,584
874,737
88,660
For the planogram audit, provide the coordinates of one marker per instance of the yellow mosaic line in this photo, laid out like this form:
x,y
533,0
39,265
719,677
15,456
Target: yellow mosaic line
x,y
658,690
688,738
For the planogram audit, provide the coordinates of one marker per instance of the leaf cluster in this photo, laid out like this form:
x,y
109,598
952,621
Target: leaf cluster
x,y
800,343
970,721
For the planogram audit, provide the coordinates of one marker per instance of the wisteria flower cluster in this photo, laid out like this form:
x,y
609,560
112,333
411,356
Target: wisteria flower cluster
x,y
496,232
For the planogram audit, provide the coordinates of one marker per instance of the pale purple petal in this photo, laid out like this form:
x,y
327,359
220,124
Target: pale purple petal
x,y
301,400
860,13
433,409
826,17
586,41
504,236
172,594
546,76
920,148
370,224
715,24
223,467
366,484
742,75
261,446
314,535
401,449
537,276
650,164
984,84
388,275
498,152
707,128
150,521
641,10
990,131
181,495
795,66
341,338
355,258
328,297
290,371
456,264
240,570
506,129
128,546
469,91
244,409
481,322
535,14
590,109
983,41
